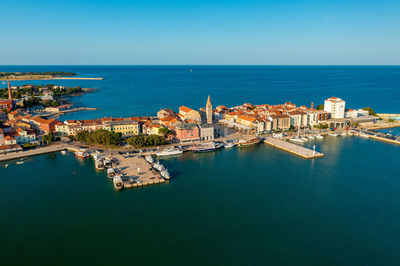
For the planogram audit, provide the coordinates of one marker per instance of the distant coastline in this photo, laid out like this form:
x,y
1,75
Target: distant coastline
x,y
9,76
22,78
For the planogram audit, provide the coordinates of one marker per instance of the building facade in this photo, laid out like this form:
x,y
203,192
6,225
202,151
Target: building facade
x,y
335,106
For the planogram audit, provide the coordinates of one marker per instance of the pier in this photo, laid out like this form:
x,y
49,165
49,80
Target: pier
x,y
146,176
293,148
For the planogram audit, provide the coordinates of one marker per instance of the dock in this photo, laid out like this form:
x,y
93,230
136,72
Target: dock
x,y
293,148
129,168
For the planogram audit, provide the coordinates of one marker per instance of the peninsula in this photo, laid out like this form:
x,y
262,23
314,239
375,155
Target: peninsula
x,y
42,76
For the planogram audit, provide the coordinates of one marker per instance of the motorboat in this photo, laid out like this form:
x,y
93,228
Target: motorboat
x,y
118,184
228,145
297,140
205,147
64,152
99,164
169,151
319,136
164,173
149,159
82,154
333,134
110,172
248,142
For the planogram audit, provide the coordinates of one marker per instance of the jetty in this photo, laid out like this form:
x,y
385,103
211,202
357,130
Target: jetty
x,y
293,148
138,172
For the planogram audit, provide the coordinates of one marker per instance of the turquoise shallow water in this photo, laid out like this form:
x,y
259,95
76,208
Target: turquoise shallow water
x,y
251,206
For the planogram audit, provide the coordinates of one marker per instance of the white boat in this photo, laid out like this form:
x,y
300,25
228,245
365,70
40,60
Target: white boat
x,y
164,173
149,159
319,136
169,151
344,134
107,163
118,183
63,152
20,162
228,145
333,134
364,135
6,165
82,154
297,140
157,166
310,137
110,172
99,164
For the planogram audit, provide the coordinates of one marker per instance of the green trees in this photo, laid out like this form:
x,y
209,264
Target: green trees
x,y
101,136
32,101
370,110
49,138
165,131
145,141
320,107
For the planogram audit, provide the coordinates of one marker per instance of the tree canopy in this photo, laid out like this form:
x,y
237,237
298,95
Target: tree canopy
x,y
101,136
146,140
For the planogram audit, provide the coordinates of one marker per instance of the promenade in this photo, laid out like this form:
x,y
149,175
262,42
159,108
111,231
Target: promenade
x,y
33,152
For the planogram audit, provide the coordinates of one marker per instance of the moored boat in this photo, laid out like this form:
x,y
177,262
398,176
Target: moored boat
x,y
164,174
82,154
149,159
333,134
169,151
205,147
63,152
110,172
248,142
118,183
99,164
228,145
297,140
319,136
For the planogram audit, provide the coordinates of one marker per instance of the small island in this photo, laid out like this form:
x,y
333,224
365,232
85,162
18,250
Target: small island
x,y
42,76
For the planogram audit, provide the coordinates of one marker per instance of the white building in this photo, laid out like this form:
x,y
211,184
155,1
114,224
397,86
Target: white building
x,y
335,106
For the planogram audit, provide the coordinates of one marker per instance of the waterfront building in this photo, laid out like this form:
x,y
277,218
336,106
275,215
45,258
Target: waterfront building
x,y
10,148
187,113
206,132
209,112
296,118
364,120
280,121
187,132
62,128
335,106
245,120
126,127
58,109
44,125
25,136
9,140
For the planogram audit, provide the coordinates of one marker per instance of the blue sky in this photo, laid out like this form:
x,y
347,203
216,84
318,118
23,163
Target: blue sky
x,y
294,32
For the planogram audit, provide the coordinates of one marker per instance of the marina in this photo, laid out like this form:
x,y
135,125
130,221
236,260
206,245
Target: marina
x,y
293,148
